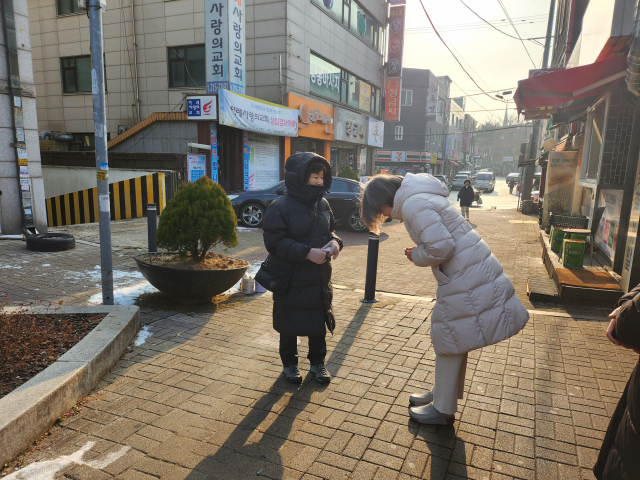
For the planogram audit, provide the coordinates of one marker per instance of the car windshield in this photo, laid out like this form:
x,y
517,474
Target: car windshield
x,y
484,176
461,177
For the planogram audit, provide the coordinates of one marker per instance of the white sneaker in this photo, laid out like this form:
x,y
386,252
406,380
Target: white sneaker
x,y
428,415
417,399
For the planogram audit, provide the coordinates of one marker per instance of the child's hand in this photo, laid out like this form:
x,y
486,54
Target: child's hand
x,y
316,255
332,249
407,252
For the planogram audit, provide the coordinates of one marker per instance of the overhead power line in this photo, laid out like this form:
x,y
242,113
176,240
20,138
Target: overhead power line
x,y
454,56
493,26
504,9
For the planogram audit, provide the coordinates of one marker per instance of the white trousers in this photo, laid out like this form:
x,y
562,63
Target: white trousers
x,y
449,384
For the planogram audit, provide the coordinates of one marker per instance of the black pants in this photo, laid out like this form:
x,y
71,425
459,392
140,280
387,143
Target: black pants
x,y
289,350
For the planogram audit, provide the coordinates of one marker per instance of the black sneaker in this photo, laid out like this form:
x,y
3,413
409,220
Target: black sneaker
x,y
322,375
293,374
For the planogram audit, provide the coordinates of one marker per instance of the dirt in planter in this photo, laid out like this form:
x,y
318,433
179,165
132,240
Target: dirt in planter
x,y
30,343
212,261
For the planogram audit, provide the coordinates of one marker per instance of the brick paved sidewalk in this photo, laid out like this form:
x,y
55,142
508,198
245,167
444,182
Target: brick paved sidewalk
x,y
203,397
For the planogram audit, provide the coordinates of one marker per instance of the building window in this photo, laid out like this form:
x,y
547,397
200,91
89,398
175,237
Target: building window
x,y
523,134
331,81
187,66
406,97
68,6
593,142
76,74
354,17
399,131
498,151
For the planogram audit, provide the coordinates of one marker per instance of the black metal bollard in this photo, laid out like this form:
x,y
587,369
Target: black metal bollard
x,y
372,269
152,225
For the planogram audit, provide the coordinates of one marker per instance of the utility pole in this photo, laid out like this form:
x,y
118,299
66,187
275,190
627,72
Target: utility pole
x,y
96,7
529,169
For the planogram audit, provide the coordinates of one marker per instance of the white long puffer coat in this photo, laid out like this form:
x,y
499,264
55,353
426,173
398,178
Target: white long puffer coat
x,y
476,303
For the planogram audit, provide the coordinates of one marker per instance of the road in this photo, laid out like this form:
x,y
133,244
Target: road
x,y
499,198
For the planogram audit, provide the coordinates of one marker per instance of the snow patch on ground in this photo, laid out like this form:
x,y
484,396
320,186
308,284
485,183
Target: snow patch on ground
x,y
126,295
46,470
142,336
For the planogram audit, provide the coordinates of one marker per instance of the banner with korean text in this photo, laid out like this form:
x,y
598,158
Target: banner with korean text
x,y
248,113
396,41
225,45
392,100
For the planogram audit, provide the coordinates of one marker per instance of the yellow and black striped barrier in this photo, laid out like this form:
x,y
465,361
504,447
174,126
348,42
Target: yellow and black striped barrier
x,y
127,198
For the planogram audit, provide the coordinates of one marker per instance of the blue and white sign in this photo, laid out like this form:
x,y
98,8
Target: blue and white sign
x,y
248,113
195,166
202,107
225,52
214,152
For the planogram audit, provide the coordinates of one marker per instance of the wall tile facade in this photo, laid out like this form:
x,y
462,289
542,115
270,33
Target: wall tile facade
x,y
618,141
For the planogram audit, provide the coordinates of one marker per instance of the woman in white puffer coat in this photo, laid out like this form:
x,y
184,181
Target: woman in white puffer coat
x,y
476,303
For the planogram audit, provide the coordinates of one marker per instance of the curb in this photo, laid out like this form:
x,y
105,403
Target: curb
x,y
30,410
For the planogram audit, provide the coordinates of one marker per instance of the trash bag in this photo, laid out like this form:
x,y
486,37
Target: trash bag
x,y
479,200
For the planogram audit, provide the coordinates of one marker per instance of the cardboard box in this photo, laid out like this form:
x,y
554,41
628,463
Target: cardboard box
x,y
572,253
556,237
579,236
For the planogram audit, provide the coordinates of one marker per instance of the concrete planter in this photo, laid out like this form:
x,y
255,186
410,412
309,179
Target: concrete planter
x,y
30,410
186,285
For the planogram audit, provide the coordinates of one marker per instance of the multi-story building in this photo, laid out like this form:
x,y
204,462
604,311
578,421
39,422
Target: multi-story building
x,y
455,131
506,147
325,55
421,131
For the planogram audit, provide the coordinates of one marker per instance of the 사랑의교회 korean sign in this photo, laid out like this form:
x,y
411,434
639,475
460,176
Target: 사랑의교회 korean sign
x,y
225,46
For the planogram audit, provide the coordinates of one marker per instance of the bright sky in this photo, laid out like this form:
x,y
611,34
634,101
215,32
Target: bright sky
x,y
494,60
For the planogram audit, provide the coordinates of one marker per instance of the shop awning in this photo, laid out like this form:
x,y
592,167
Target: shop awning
x,y
454,162
544,94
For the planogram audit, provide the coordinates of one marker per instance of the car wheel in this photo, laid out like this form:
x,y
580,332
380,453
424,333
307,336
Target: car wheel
x,y
354,222
51,242
252,215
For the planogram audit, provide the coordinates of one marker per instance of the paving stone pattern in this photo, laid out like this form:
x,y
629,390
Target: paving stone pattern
x,y
204,398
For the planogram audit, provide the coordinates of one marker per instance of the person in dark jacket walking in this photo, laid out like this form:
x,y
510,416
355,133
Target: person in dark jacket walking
x,y
512,183
619,457
299,229
466,195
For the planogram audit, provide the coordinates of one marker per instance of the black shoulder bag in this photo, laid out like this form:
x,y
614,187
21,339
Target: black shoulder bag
x,y
275,273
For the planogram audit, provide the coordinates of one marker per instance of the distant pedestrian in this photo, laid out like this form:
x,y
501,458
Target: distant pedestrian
x,y
512,183
619,457
476,303
466,196
299,235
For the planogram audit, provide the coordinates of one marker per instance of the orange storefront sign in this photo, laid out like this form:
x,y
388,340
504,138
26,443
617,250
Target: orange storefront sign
x,y
315,119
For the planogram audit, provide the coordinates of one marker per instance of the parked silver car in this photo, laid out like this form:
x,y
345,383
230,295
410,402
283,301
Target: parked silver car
x,y
485,181
458,181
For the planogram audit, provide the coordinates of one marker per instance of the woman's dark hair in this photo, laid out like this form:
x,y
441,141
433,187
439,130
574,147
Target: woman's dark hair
x,y
378,192
315,166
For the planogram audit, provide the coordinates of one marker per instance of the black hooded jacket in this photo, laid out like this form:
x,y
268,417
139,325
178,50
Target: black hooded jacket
x,y
305,308
466,196
619,457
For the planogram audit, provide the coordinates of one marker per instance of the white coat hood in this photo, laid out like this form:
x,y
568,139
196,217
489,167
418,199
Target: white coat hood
x,y
414,184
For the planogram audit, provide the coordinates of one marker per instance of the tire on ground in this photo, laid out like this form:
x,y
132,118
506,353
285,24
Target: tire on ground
x,y
51,242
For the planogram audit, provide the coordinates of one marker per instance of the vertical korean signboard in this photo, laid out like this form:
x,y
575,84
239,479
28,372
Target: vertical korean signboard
x,y
225,45
394,63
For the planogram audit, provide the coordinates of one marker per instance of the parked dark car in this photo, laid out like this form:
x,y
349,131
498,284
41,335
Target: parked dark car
x,y
344,197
